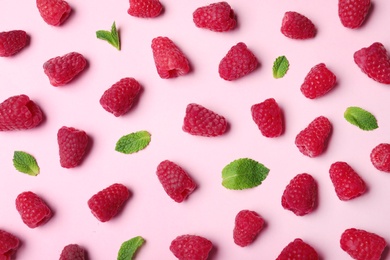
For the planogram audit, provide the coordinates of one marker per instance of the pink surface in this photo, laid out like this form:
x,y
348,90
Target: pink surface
x,y
211,209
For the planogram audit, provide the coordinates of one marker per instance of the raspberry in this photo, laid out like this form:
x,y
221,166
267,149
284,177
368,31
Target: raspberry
x,y
8,244
19,113
248,225
237,63
347,183
63,69
352,13
268,117
170,61
298,249
203,122
72,145
361,244
319,81
297,26
145,8
218,17
32,209
313,140
107,203
380,157
12,42
73,252
374,61
191,247
300,195
119,98
175,181
54,12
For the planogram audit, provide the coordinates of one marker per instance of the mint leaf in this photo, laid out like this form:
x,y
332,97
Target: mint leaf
x,y
280,67
111,37
115,35
25,163
361,118
243,173
133,142
129,247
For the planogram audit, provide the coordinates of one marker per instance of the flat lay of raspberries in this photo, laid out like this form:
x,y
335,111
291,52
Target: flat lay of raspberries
x,y
242,221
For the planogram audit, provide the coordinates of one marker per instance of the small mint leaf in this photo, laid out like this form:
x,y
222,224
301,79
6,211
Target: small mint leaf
x,y
115,36
25,163
104,35
129,248
111,37
243,173
280,67
133,142
361,118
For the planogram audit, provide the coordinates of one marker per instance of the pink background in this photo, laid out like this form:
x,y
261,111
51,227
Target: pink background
x,y
211,209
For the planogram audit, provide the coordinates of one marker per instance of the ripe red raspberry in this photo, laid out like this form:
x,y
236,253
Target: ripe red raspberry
x,y
8,244
374,61
175,181
300,195
352,13
203,122
32,209
313,140
191,247
119,98
170,61
247,226
54,12
268,117
297,26
11,42
237,63
218,17
347,183
380,157
63,69
361,244
19,113
298,249
107,203
145,8
72,145
319,81
73,252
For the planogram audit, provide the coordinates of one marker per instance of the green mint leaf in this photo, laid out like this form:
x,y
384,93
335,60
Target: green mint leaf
x,y
243,173
129,247
361,118
111,37
133,142
115,36
25,163
105,35
280,67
